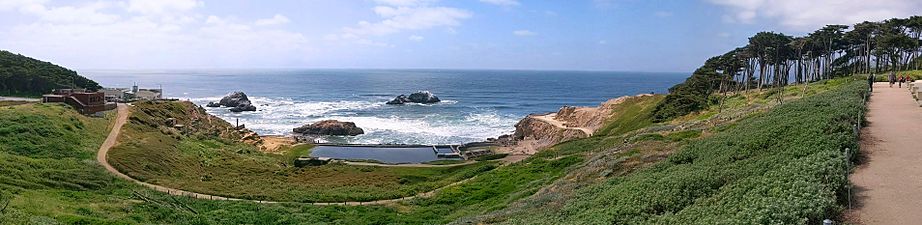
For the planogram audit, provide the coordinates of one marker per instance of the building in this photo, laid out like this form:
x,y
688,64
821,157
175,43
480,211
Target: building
x,y
114,94
84,101
133,94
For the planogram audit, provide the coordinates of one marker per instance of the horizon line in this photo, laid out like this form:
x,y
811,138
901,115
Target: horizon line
x,y
371,68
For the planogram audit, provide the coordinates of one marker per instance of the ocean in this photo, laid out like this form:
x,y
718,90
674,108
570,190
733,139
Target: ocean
x,y
476,104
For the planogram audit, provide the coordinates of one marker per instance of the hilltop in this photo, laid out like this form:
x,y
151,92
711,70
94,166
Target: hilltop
x,y
24,76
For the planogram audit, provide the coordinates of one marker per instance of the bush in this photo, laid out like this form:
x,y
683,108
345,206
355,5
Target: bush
x,y
786,166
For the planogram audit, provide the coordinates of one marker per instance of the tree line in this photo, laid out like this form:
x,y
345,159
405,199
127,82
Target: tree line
x,y
773,59
24,76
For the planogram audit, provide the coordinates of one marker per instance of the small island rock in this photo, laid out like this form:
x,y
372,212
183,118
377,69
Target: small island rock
x,y
423,97
237,100
330,127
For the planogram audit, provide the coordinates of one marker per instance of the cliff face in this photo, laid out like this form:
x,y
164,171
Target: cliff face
x,y
536,132
543,132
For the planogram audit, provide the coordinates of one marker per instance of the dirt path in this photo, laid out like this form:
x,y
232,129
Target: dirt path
x,y
549,118
122,118
888,185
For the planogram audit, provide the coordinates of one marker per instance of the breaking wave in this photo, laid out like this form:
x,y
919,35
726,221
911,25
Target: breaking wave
x,y
382,123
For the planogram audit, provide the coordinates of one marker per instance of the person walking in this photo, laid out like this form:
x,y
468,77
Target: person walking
x,y
871,83
901,79
891,78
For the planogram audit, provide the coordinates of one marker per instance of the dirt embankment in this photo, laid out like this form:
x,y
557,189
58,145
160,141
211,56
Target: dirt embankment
x,y
536,132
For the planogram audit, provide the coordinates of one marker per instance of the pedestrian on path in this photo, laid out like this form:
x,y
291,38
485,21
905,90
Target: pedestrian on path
x,y
871,83
901,79
892,78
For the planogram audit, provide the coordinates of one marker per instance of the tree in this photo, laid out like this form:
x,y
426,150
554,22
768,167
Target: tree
x,y
24,76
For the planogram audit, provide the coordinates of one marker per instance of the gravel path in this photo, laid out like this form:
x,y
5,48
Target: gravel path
x,y
888,185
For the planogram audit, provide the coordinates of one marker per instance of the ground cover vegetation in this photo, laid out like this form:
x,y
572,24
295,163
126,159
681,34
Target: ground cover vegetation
x,y
787,165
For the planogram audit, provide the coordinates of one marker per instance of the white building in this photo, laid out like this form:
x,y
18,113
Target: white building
x,y
133,94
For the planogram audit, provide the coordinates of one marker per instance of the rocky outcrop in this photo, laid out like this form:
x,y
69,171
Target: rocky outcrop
x,y
237,100
243,107
330,127
422,97
536,132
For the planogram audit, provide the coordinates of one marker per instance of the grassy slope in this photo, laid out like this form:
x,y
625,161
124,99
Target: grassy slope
x,y
783,166
202,162
116,201
47,153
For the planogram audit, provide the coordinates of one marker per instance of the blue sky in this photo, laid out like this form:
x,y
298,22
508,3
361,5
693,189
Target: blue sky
x,y
625,35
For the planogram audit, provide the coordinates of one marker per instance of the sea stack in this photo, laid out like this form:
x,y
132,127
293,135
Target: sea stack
x,y
330,127
422,97
237,100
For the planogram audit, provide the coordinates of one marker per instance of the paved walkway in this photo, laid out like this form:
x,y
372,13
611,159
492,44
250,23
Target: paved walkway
x,y
888,185
122,118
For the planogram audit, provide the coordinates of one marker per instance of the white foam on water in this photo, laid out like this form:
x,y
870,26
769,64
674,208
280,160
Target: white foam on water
x,y
278,116
430,129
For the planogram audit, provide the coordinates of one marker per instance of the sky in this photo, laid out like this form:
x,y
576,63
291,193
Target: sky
x,y
620,35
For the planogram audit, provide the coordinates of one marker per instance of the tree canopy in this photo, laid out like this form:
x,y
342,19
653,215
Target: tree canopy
x,y
24,76
772,60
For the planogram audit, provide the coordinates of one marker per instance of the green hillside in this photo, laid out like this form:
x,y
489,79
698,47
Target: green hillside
x,y
24,76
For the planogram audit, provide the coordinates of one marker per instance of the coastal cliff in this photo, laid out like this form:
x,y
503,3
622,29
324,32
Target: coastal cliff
x,y
539,131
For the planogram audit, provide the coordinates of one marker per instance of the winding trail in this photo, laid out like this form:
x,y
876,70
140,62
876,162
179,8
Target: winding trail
x,y
888,185
549,118
122,118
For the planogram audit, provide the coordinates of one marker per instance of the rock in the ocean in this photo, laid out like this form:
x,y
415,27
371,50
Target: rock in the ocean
x,y
424,97
330,127
237,100
243,107
400,99
234,99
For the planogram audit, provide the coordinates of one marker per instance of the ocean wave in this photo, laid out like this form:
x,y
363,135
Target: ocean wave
x,y
382,125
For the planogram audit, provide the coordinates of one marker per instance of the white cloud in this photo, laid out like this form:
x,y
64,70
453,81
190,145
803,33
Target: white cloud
x,y
524,33
275,20
416,38
17,4
94,36
89,13
162,6
501,2
409,15
404,2
603,42
808,15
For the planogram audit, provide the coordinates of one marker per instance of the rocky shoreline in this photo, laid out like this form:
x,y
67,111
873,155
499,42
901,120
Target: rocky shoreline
x,y
536,132
532,134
